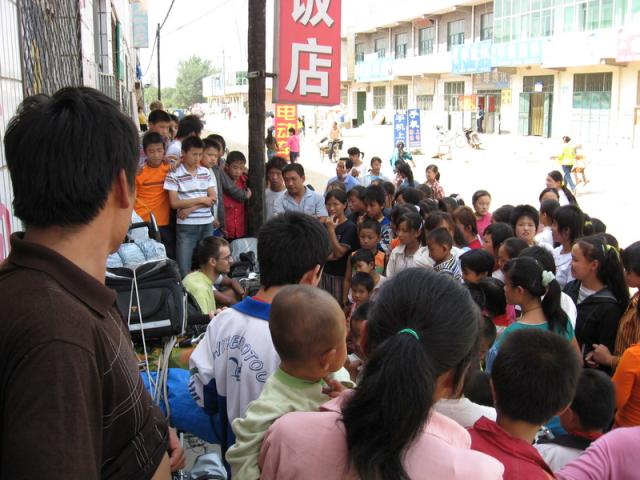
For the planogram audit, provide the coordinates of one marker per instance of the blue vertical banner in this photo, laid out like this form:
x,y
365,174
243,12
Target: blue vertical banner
x,y
399,128
413,128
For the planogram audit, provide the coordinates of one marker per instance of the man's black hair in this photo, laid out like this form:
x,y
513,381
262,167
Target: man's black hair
x,y
374,193
151,138
440,236
353,151
363,279
158,116
209,247
64,153
236,157
534,375
595,400
192,142
502,214
293,167
478,261
188,126
289,245
276,162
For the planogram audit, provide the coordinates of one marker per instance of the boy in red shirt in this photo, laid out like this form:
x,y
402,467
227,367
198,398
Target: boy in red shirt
x,y
234,210
534,378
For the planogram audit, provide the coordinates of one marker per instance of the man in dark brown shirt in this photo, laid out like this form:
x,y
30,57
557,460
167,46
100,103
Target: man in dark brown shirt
x,y
72,404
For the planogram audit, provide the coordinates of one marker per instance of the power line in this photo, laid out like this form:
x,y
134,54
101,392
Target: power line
x,y
167,15
199,18
155,39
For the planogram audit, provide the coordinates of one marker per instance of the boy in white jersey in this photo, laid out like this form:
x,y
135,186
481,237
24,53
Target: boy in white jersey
x,y
192,192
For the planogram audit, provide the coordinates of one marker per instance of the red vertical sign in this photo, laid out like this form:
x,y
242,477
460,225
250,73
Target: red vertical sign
x,y
286,118
307,52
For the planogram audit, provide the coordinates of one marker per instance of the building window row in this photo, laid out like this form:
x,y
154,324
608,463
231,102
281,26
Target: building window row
x,y
379,98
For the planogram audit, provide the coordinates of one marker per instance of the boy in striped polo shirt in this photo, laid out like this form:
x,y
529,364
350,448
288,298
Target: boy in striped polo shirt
x,y
192,192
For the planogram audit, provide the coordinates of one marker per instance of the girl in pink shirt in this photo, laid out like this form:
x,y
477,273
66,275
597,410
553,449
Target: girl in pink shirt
x,y
418,342
481,201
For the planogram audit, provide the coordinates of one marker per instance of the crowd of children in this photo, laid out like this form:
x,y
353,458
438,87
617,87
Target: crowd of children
x,y
552,287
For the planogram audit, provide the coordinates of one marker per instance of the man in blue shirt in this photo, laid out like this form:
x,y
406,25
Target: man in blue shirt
x,y
298,197
343,167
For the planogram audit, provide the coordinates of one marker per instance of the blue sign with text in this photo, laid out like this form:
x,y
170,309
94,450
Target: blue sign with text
x,y
399,128
414,139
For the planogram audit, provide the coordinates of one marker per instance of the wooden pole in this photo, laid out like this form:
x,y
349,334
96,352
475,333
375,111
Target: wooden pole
x,y
256,63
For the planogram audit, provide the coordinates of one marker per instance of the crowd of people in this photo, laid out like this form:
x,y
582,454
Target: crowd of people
x,y
397,333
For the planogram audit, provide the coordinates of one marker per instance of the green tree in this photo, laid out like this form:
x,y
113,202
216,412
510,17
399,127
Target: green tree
x,y
189,80
168,97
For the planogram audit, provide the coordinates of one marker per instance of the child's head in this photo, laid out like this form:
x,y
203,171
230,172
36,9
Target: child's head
x,y
524,221
494,235
363,261
374,200
568,224
308,330
534,376
153,146
593,403
549,194
355,198
481,201
525,280
211,154
292,131
466,221
409,195
361,287
173,129
502,214
593,258
235,164
555,179
476,264
214,252
566,139
495,300
404,170
273,169
630,257
376,165
477,387
409,228
220,139
439,242
355,155
336,202
432,173
369,234
359,315
192,148
159,122
510,249
543,256
191,125
548,210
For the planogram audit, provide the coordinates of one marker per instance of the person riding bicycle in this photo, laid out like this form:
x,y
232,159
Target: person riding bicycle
x,y
335,136
401,154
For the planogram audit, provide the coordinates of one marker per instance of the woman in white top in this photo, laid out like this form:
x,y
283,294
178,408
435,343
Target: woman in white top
x,y
411,234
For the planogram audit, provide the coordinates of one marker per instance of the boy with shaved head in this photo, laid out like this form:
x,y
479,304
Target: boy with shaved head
x,y
308,330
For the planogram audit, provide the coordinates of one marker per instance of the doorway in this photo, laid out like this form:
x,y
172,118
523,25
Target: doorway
x,y
536,115
536,100
361,106
489,103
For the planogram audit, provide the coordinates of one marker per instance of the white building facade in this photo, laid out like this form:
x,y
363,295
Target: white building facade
x,y
533,67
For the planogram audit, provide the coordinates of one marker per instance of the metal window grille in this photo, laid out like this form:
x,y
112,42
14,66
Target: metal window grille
x,y
50,33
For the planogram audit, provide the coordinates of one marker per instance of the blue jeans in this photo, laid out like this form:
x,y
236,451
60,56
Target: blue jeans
x,y
567,177
187,238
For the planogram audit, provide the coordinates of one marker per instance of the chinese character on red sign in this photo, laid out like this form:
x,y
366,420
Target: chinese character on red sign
x,y
307,52
286,117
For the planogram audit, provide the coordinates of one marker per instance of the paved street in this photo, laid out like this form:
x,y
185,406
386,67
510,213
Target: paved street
x,y
511,167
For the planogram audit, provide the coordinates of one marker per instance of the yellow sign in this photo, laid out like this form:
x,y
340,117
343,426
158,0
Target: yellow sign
x,y
506,97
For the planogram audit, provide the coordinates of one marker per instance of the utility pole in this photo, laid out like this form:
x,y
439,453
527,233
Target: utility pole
x,y
256,78
158,55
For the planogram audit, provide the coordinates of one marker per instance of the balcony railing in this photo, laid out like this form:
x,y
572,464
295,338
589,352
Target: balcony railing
x,y
107,85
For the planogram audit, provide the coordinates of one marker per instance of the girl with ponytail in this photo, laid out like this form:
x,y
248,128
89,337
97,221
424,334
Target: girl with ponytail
x,y
599,292
538,293
418,340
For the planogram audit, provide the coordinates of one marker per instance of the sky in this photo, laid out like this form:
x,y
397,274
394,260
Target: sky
x,y
205,28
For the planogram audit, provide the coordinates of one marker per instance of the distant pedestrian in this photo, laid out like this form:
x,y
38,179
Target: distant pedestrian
x,y
142,120
480,120
293,142
401,154
271,143
567,159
